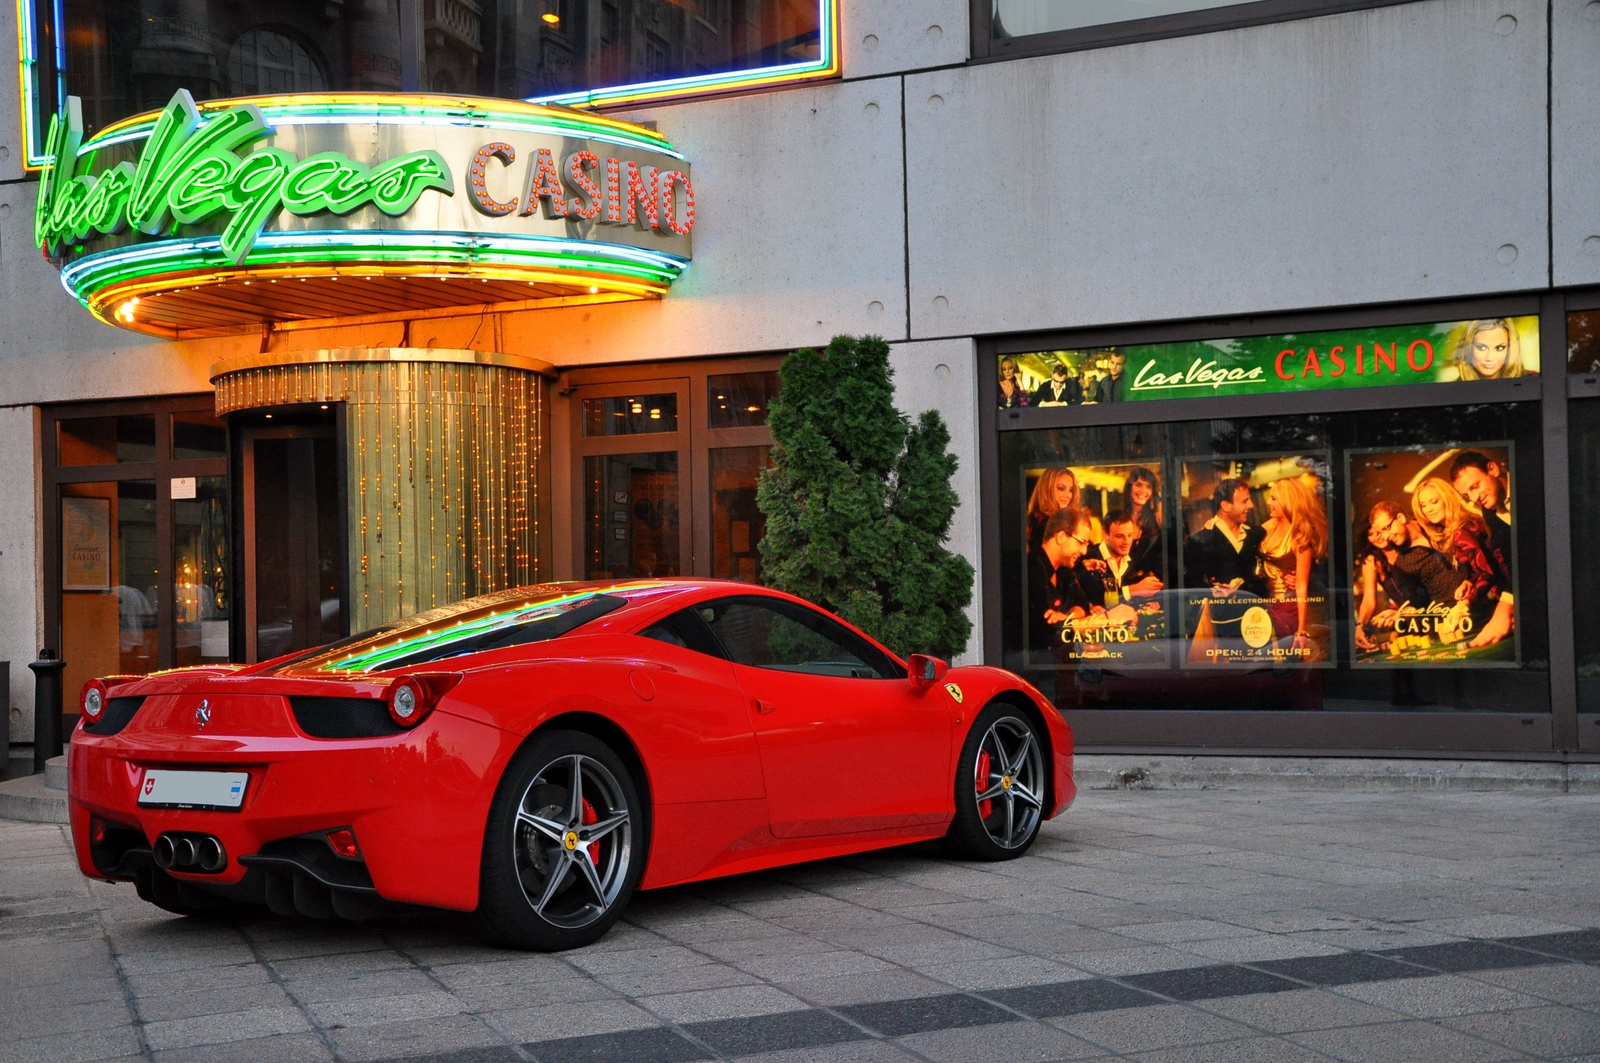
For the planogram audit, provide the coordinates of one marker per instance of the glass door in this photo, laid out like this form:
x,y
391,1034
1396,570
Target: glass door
x,y
293,540
633,470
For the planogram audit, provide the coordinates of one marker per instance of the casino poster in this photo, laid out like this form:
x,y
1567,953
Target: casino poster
x,y
1127,626
1254,581
1432,558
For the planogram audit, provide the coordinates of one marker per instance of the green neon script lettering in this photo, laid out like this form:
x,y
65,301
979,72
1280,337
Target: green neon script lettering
x,y
189,173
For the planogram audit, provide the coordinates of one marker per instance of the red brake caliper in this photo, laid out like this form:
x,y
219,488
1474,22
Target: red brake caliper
x,y
591,816
982,780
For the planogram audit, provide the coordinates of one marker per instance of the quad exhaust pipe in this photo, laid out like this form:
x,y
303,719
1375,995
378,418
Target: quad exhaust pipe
x,y
189,852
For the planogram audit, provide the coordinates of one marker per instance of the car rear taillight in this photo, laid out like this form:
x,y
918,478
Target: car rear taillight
x,y
93,700
412,697
343,843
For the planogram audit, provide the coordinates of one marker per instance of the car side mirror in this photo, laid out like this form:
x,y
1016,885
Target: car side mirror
x,y
926,671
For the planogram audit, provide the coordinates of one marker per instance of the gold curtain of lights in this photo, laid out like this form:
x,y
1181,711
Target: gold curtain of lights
x,y
444,460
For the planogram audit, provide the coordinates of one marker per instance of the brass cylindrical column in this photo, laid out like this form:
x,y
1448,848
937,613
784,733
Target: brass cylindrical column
x,y
443,456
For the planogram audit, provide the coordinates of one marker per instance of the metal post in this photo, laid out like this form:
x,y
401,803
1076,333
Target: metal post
x,y
46,708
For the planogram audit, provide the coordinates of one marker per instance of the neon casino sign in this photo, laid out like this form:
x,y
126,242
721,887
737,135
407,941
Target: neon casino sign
x,y
161,222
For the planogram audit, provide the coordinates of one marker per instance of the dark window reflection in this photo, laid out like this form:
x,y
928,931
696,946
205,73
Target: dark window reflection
x,y
198,435
1583,342
106,440
630,415
1023,18
740,400
125,56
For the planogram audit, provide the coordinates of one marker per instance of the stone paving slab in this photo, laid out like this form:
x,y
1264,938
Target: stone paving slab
x,y
1151,925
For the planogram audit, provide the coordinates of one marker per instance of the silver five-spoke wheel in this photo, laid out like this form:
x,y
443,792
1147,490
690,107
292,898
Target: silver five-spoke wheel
x,y
1002,785
1009,778
574,841
564,846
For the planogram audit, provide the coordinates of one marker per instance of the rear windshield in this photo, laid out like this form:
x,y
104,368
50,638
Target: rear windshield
x,y
488,622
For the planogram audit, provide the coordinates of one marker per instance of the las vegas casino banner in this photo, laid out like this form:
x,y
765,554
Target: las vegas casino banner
x,y
1440,352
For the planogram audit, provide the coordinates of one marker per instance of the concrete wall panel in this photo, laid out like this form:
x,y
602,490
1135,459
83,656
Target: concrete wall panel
x,y
799,234
53,351
12,150
19,575
1575,141
888,36
1396,153
941,375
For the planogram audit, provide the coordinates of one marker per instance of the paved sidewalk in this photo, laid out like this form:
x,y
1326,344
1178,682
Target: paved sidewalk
x,y
1164,925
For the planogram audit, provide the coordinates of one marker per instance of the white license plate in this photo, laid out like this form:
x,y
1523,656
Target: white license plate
x,y
193,789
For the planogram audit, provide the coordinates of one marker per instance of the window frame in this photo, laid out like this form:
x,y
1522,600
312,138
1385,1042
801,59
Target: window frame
x,y
1281,732
1181,24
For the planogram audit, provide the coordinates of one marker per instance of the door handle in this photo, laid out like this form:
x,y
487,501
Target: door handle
x,y
764,707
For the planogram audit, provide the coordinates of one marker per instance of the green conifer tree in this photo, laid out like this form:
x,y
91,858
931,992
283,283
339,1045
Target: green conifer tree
x,y
858,502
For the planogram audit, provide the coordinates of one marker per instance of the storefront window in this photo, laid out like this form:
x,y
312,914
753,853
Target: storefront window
x,y
202,592
113,440
630,415
109,575
1583,359
1364,561
126,56
737,525
740,400
137,542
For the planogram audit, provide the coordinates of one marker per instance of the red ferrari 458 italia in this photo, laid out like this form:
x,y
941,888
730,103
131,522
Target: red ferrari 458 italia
x,y
534,756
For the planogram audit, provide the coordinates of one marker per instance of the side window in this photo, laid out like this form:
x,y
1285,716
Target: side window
x,y
771,633
685,628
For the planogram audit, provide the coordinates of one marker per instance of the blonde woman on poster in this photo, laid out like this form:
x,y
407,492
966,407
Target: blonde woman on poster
x,y
1461,535
1489,349
1056,489
1296,540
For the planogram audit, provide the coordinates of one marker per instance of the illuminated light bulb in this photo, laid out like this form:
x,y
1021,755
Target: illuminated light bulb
x,y
655,415
551,17
594,290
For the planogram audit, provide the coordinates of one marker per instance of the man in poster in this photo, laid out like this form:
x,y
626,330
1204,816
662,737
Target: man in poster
x,y
1486,483
1126,624
1060,389
1054,595
1114,387
1107,573
1416,578
1222,554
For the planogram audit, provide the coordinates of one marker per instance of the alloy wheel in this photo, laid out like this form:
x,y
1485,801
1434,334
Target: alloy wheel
x,y
573,842
1009,776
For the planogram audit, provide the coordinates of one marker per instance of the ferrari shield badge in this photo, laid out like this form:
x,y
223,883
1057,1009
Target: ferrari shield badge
x,y
954,691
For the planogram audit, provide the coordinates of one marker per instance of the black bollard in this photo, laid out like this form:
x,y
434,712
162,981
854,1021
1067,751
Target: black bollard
x,y
46,708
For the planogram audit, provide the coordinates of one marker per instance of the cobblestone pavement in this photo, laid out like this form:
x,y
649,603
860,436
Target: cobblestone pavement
x,y
1152,926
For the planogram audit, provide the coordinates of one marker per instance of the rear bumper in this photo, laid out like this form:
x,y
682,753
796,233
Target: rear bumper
x,y
417,802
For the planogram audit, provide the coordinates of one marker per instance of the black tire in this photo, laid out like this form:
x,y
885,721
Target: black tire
x,y
1000,820
549,879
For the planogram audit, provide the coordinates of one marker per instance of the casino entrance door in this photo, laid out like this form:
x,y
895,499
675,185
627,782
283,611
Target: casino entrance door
x,y
295,586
